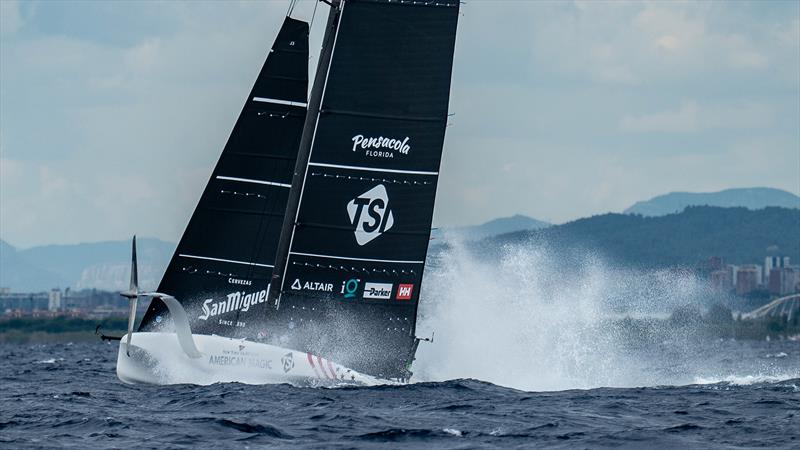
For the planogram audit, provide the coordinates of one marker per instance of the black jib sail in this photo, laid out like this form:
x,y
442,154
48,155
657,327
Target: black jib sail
x,y
349,269
222,266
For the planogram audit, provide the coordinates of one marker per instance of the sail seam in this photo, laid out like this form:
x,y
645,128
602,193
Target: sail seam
x,y
373,169
279,101
263,155
395,261
249,180
243,211
183,255
386,116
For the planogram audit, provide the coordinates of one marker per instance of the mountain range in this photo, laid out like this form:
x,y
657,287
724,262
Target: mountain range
x,y
106,265
685,239
751,198
100,265
491,228
658,232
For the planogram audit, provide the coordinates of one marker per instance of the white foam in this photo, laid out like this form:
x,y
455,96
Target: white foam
x,y
49,361
530,323
746,380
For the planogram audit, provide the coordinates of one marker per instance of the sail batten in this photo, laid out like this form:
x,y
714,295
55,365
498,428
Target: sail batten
x,y
208,258
279,101
249,180
372,169
350,258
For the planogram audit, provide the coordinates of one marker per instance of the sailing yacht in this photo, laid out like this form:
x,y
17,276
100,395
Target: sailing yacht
x,y
303,260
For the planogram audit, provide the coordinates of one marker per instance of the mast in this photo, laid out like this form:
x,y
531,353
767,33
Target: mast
x,y
306,141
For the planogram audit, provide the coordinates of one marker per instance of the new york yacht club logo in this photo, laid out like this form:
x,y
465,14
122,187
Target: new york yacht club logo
x,y
370,214
381,147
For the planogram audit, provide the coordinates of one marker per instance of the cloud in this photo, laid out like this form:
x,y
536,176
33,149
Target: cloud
x,y
10,17
637,43
10,170
127,108
691,117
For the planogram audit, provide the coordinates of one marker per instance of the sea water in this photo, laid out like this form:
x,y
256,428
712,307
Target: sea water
x,y
525,354
68,396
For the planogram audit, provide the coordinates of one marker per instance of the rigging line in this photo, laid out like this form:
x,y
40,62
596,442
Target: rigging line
x,y
291,7
313,14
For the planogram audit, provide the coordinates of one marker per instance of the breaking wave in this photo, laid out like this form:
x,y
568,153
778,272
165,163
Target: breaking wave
x,y
748,380
532,318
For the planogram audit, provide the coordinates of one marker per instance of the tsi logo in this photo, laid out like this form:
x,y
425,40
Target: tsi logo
x,y
370,214
380,291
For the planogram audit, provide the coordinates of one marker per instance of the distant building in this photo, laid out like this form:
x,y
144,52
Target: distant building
x,y
747,279
715,263
24,303
69,302
721,279
784,280
54,300
732,273
759,272
774,262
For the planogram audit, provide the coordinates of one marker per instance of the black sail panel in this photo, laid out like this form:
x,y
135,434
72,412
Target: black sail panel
x,y
358,245
221,268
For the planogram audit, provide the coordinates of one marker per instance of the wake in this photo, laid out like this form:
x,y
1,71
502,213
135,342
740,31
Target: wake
x,y
525,320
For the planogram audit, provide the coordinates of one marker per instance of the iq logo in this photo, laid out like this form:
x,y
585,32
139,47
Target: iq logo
x,y
370,214
350,287
404,291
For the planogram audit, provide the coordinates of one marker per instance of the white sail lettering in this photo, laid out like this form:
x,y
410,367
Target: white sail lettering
x,y
206,311
380,142
235,301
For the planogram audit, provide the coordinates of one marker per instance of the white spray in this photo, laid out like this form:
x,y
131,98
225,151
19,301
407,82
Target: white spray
x,y
527,322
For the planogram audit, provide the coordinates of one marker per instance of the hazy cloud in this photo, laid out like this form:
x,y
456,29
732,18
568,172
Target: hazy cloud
x,y
691,117
112,115
10,17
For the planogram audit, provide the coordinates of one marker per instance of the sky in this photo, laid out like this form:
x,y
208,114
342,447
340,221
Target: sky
x,y
112,114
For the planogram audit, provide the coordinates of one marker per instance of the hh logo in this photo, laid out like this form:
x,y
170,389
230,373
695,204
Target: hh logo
x,y
370,214
404,291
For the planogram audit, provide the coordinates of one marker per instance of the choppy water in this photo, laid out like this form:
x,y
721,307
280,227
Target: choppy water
x,y
69,396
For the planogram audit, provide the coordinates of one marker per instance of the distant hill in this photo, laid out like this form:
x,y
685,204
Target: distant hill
x,y
751,198
106,265
739,235
101,265
19,274
491,228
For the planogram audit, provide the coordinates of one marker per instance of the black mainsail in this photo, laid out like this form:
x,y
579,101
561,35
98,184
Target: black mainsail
x,y
350,261
222,266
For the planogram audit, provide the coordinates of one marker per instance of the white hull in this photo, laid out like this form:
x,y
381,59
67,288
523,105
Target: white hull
x,y
158,358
